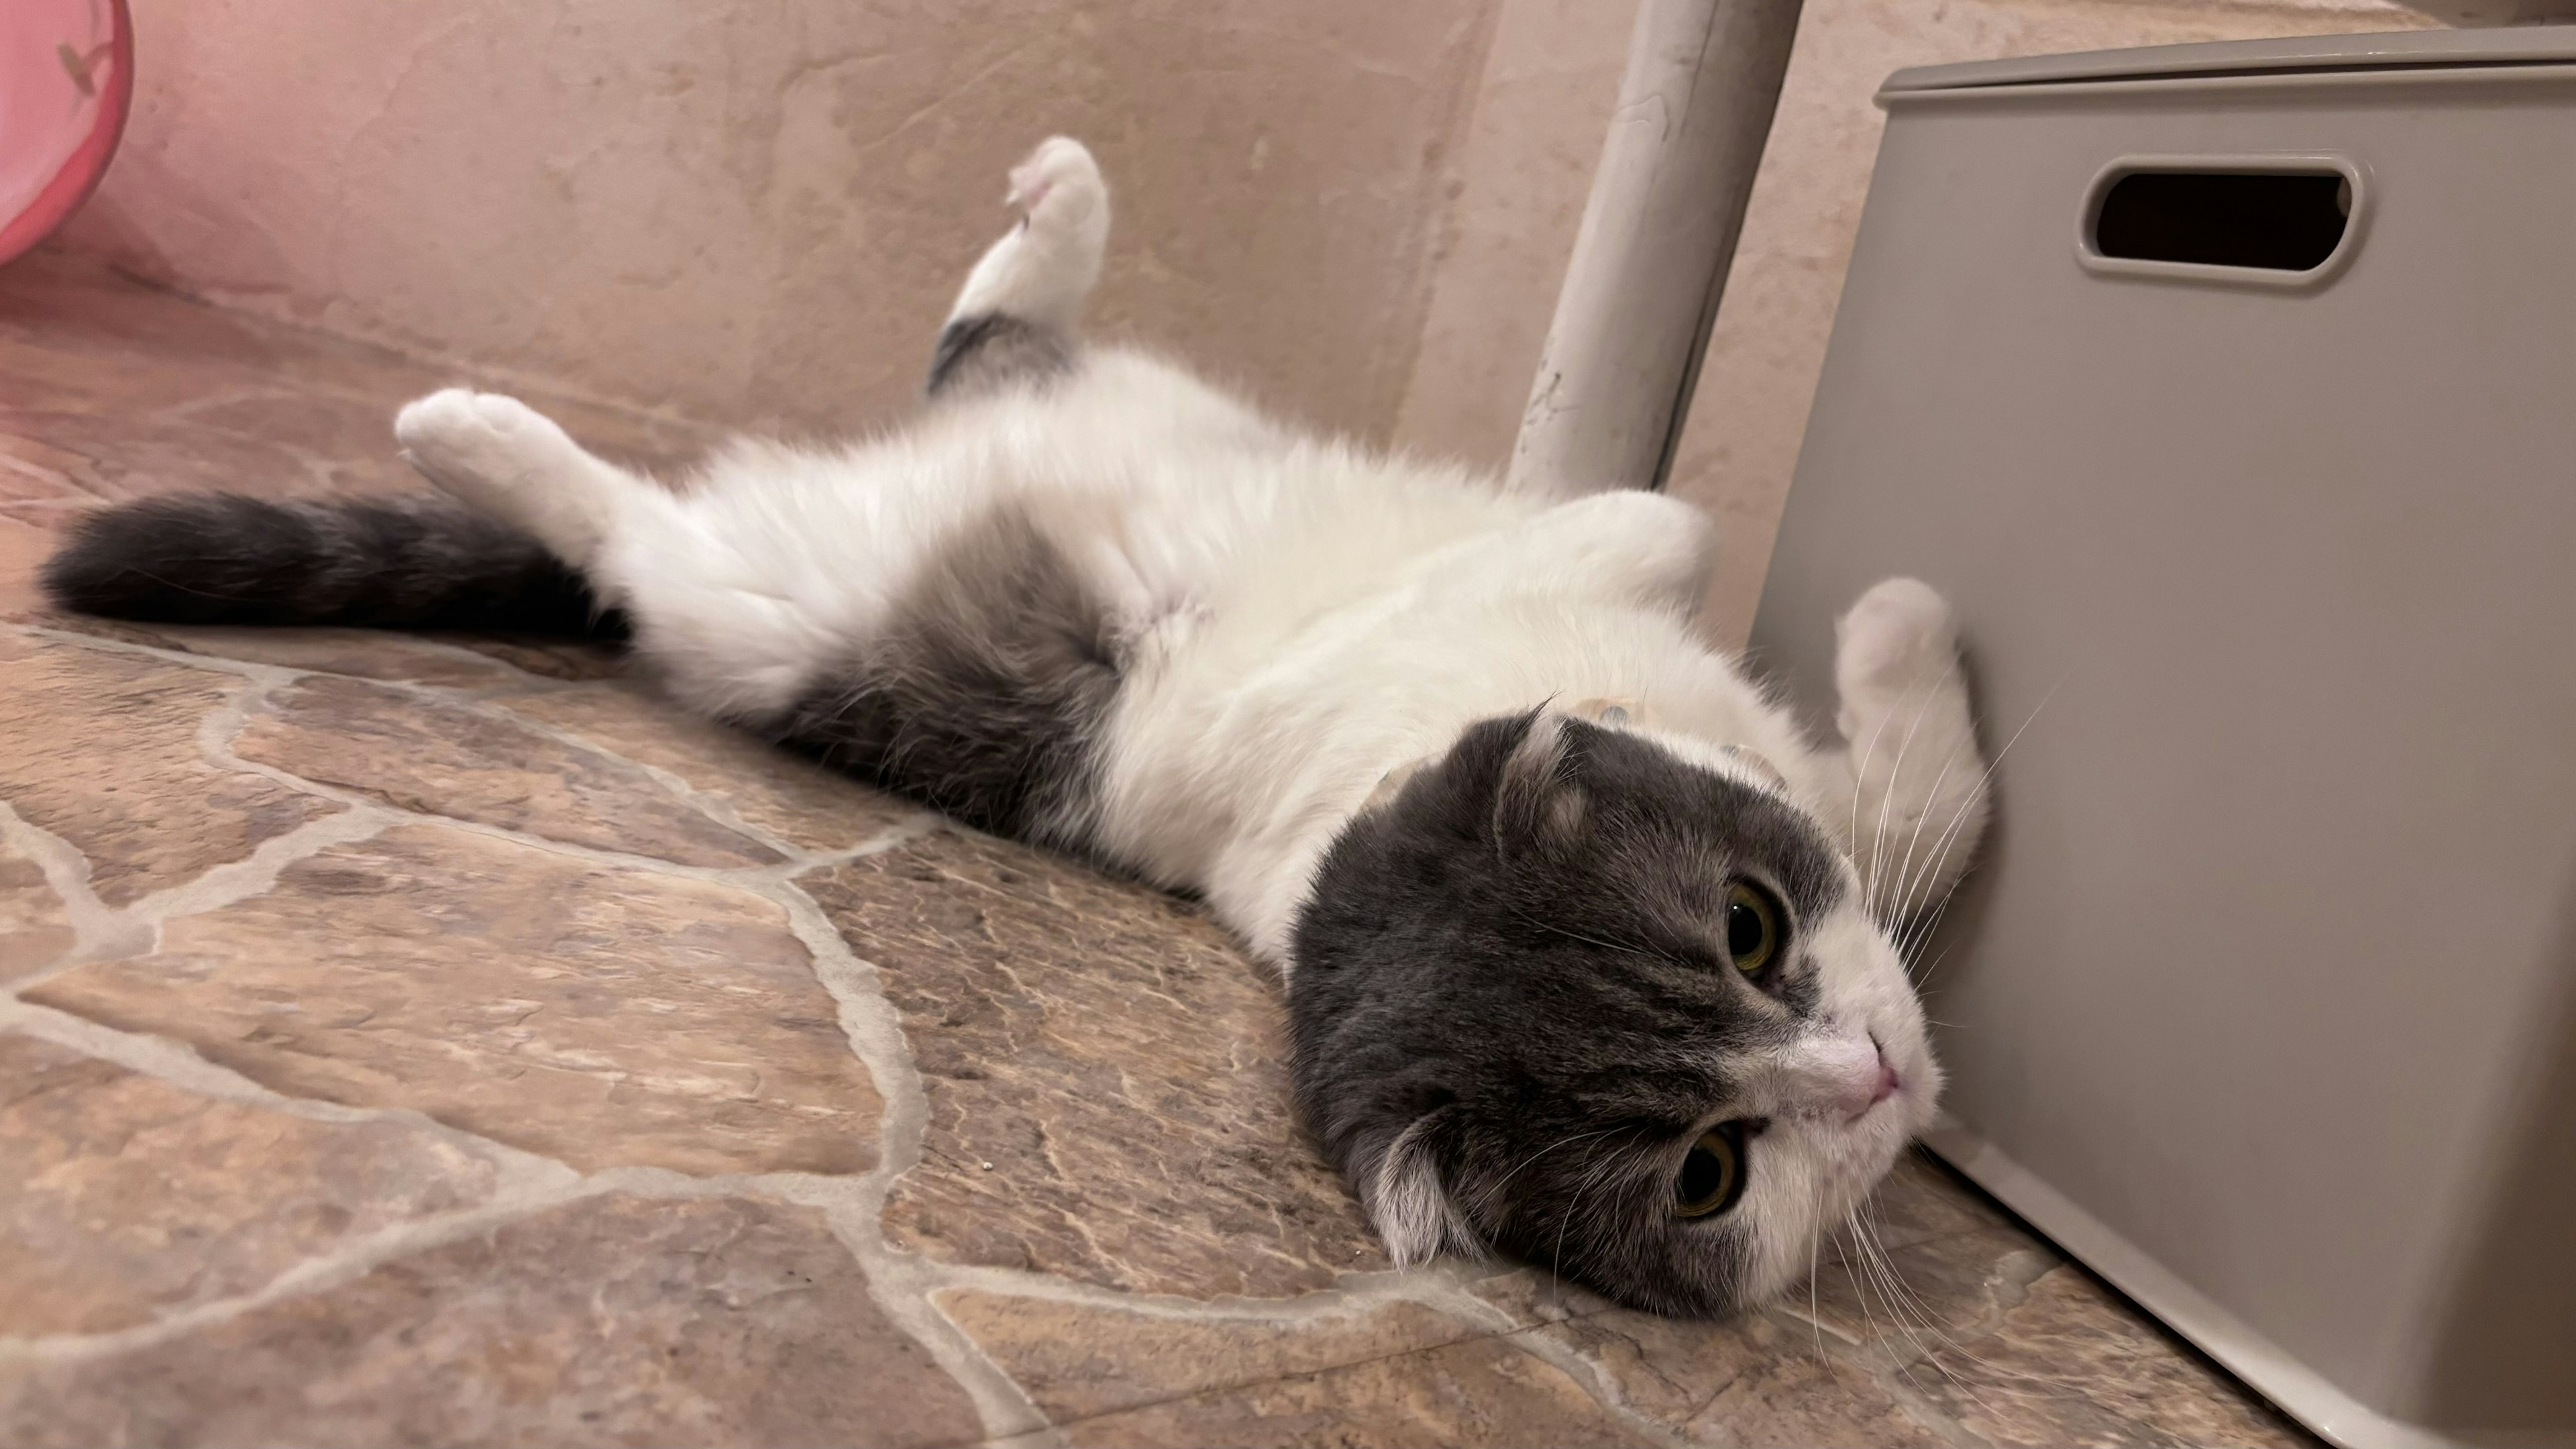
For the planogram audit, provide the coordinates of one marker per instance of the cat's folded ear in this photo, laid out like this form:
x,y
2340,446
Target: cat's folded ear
x,y
1540,808
1401,1190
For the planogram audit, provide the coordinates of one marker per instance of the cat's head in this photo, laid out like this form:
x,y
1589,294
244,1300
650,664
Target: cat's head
x,y
1622,1013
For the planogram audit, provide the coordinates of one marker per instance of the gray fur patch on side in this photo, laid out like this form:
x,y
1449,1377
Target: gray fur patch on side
x,y
984,694
984,353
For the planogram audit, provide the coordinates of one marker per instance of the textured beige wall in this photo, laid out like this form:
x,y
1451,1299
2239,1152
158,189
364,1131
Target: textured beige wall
x,y
1522,171
757,213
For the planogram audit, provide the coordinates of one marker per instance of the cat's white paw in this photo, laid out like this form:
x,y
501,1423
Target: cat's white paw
x,y
474,444
1043,268
1058,188
501,457
1899,635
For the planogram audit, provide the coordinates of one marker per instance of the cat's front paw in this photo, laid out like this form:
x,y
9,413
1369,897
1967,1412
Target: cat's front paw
x,y
1900,634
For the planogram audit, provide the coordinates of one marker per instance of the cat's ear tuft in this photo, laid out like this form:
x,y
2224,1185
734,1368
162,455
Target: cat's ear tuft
x,y
1410,1207
1539,807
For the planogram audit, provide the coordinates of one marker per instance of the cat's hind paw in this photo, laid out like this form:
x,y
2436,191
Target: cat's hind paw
x,y
1041,271
1058,188
503,458
471,443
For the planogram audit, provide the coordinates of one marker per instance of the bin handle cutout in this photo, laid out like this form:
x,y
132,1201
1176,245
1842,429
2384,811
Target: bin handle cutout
x,y
2261,221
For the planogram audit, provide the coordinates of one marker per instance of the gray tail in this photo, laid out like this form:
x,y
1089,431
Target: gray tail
x,y
388,563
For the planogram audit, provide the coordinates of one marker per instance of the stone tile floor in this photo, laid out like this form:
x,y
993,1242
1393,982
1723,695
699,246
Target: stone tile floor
x,y
438,1041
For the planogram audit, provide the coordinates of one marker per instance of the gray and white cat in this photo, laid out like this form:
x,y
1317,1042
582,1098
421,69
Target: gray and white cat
x,y
1587,949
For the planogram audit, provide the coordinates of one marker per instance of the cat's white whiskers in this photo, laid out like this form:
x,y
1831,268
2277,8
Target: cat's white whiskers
x,y
1919,927
1860,1291
1879,1275
1860,775
1815,1242
1894,1291
1897,910
1970,811
1927,917
1900,1292
1942,1330
1926,974
1886,882
1871,877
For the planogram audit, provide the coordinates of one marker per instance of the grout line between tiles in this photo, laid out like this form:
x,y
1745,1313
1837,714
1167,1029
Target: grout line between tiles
x,y
901,1283
98,929
180,1065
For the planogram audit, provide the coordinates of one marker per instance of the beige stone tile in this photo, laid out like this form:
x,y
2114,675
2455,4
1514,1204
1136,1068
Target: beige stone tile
x,y
599,1015
79,338
1117,1061
101,749
1077,1360
1750,1380
1929,1272
1922,1200
1966,1314
358,653
344,434
567,659
1968,1329
22,550
608,1321
1478,1392
1927,1302
34,930
442,758
106,457
2073,1363
115,392
797,801
127,1198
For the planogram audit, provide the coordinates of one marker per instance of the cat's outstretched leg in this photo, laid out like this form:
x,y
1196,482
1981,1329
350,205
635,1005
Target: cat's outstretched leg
x,y
505,459
1014,320
1918,785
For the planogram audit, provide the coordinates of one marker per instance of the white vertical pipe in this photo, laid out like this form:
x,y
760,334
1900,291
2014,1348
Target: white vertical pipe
x,y
1658,233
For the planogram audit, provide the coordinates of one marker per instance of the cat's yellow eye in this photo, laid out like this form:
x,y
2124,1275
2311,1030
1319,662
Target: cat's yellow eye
x,y
1752,926
1712,1175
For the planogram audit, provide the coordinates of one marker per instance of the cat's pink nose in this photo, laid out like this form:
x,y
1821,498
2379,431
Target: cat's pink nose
x,y
1846,1076
1873,1084
1887,1083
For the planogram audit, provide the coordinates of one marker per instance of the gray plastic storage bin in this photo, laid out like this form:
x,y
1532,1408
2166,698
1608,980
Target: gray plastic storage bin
x,y
2263,1002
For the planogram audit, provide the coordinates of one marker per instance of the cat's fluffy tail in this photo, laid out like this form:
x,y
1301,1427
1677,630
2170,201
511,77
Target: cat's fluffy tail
x,y
389,563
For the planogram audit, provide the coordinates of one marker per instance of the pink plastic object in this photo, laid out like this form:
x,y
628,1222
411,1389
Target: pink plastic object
x,y
66,81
